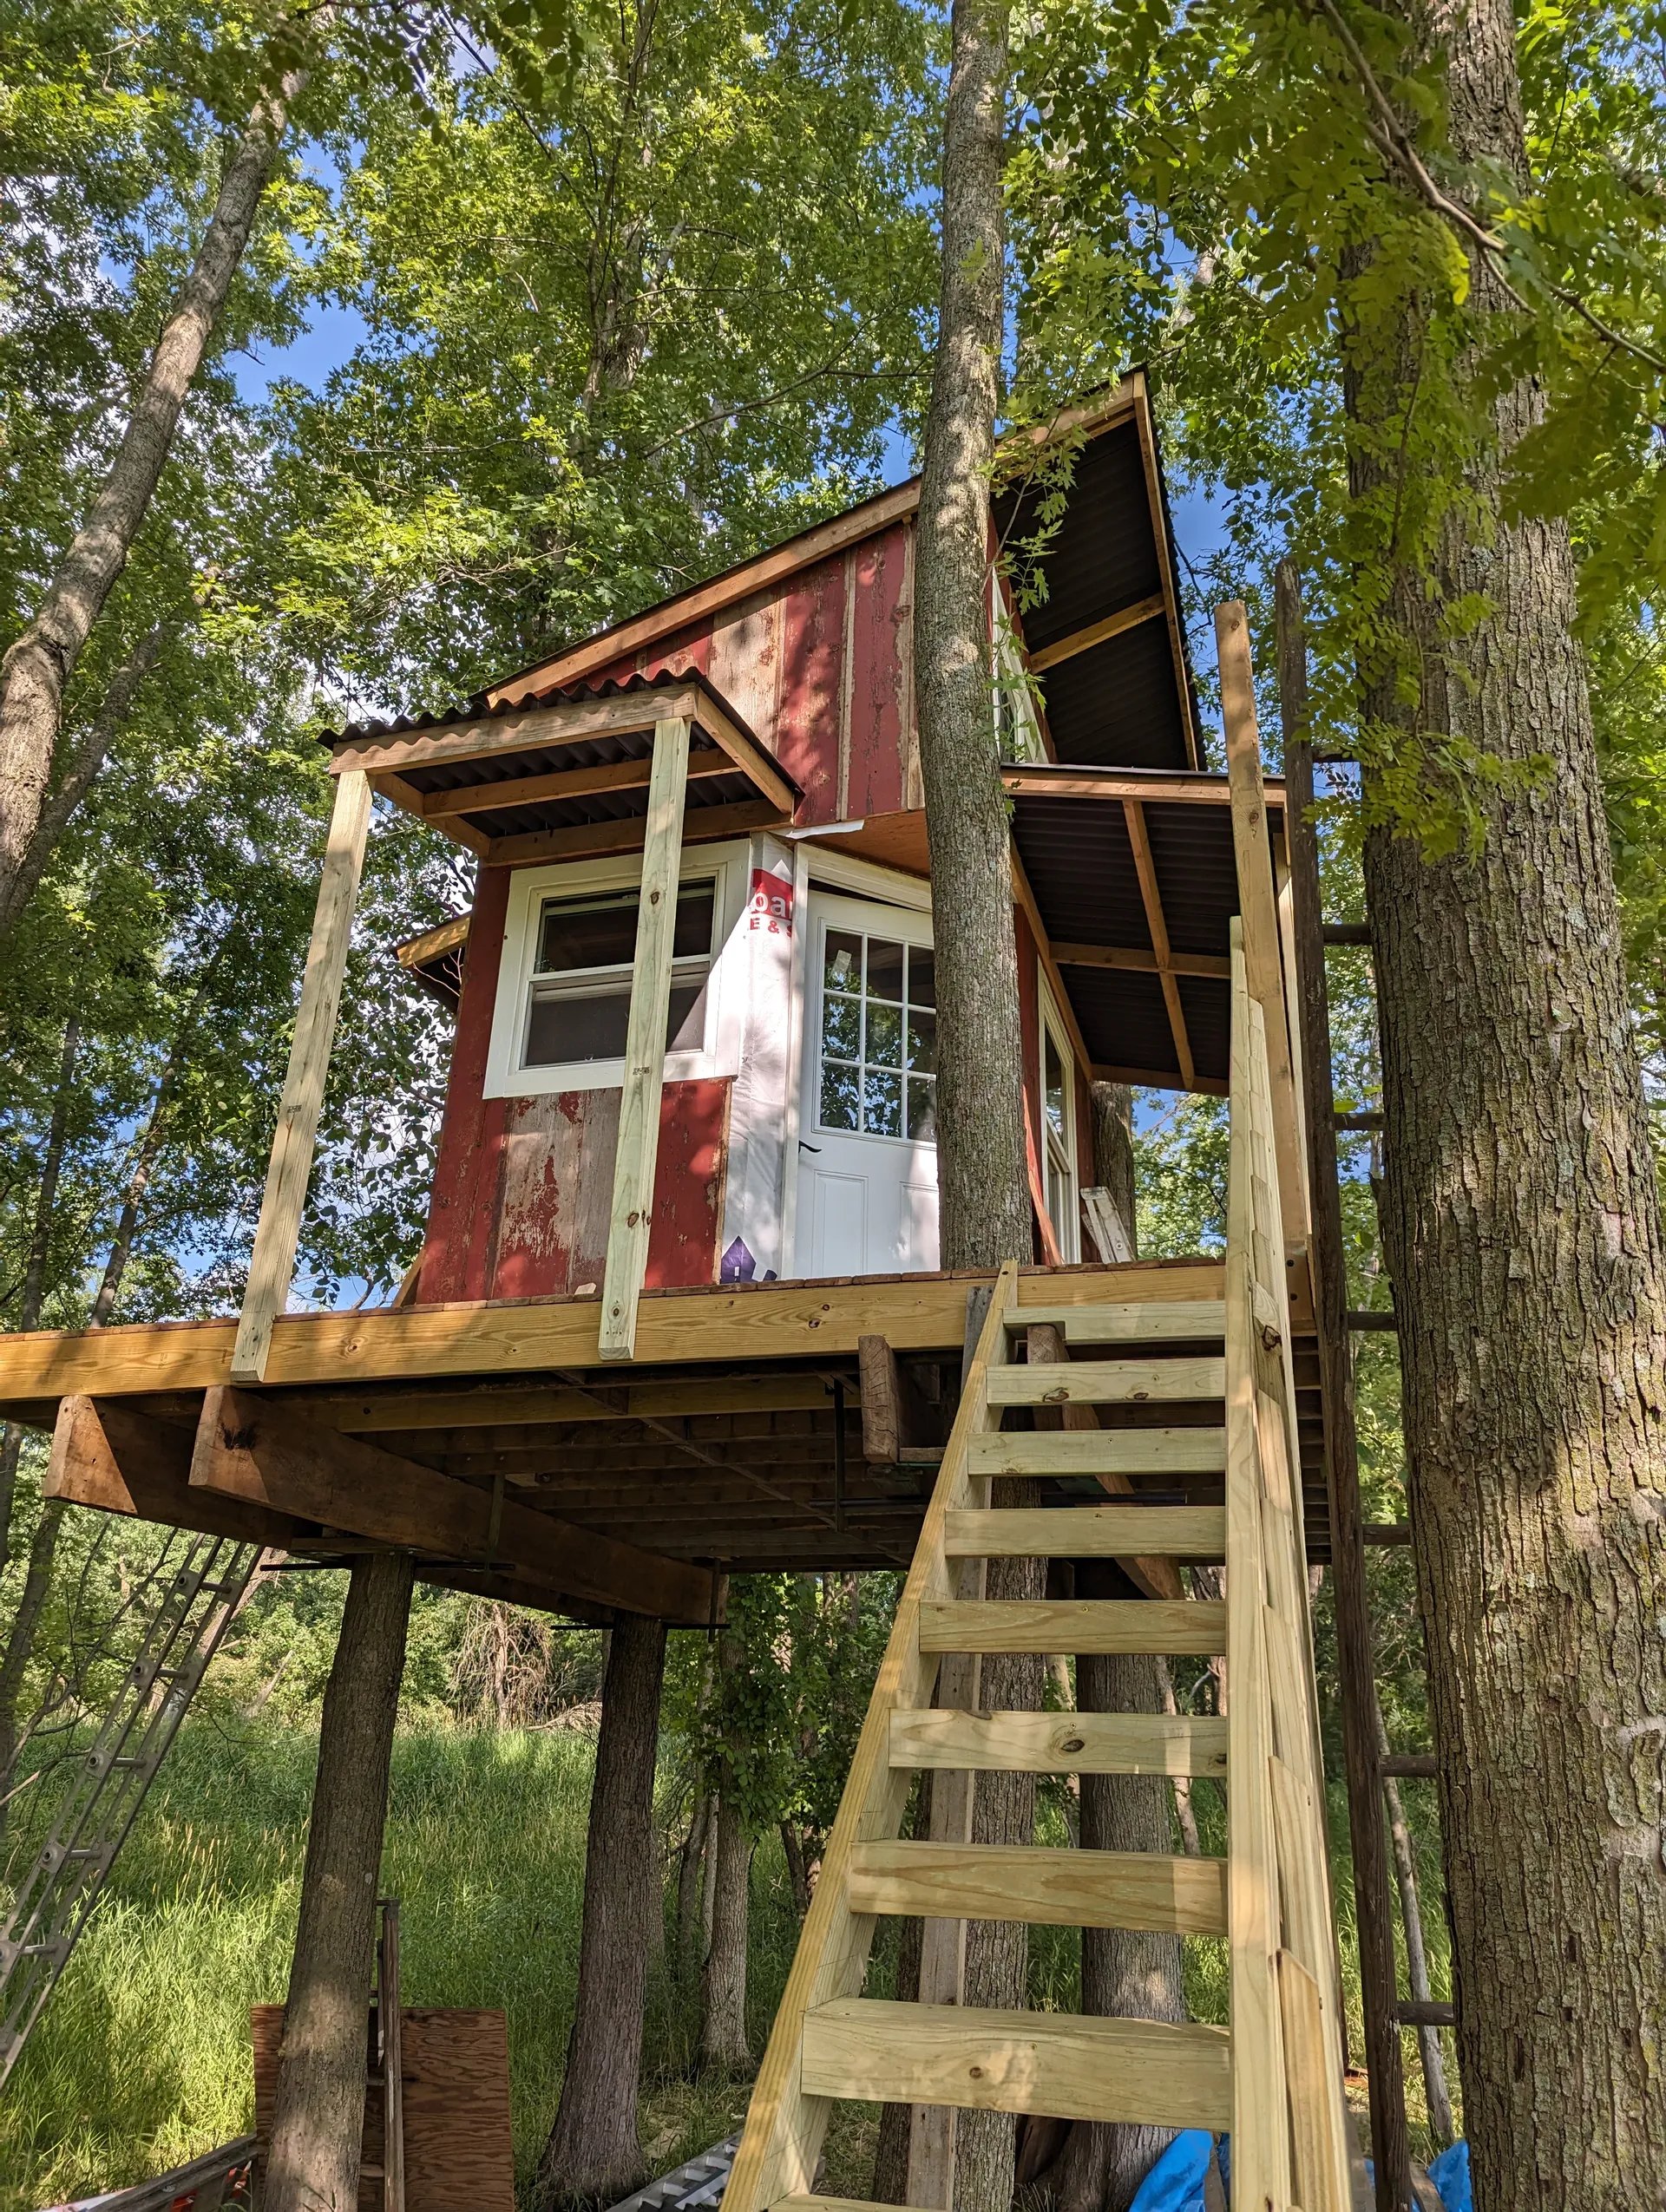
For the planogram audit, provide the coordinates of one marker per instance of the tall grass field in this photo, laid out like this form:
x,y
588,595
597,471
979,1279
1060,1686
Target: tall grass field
x,y
141,2060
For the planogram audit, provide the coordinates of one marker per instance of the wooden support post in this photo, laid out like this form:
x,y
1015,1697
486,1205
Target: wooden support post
x,y
1259,908
1355,1662
291,1165
645,1044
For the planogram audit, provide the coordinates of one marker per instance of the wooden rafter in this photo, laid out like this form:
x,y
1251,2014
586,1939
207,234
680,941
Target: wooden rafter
x,y
1140,960
1097,633
599,840
555,785
1151,898
1156,1078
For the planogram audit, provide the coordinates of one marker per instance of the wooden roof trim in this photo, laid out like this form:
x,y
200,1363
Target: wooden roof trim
x,y
657,623
1147,428
433,943
1146,787
556,784
660,622
484,736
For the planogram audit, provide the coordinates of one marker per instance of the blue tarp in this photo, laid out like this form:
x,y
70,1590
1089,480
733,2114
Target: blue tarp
x,y
1176,2183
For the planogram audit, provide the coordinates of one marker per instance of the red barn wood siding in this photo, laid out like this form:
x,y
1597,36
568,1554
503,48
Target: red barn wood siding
x,y
820,668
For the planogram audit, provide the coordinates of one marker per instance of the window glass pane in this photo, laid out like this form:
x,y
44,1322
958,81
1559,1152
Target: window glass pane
x,y
844,961
922,1108
601,933
587,933
922,976
1054,1085
839,1096
884,969
841,1027
922,1041
882,1103
696,903
884,1048
588,1025
686,1021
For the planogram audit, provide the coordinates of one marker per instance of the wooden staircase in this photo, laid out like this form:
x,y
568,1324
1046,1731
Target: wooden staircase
x,y
1273,2079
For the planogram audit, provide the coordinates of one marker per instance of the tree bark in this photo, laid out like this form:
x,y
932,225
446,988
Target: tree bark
x,y
984,1190
1003,1811
1521,1226
35,671
723,1986
1113,1152
32,1296
20,1640
690,1882
1127,1973
318,2114
593,2150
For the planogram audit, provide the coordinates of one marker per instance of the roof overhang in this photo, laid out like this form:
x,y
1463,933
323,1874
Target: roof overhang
x,y
567,778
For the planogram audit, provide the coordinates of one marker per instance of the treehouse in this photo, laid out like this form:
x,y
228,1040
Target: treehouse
x,y
678,1311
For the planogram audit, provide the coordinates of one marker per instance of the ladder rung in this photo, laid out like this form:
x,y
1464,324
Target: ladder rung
x,y
1149,2073
1107,1381
1089,1532
1162,1321
1059,1743
1062,1888
1195,1625
1098,1452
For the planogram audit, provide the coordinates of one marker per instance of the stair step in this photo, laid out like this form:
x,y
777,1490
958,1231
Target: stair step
x,y
1149,2073
1059,1743
1195,1625
1098,1451
1166,1320
1106,1382
1089,1532
1062,1888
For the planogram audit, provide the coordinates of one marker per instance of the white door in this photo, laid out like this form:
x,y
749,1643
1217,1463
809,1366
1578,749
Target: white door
x,y
867,1147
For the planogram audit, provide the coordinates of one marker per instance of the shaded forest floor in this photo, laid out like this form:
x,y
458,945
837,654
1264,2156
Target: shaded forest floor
x,y
142,2058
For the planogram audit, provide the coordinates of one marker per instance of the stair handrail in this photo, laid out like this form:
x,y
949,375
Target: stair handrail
x,y
781,2144
1290,2137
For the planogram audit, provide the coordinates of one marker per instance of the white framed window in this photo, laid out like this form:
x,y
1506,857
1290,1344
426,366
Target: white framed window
x,y
1056,1091
569,951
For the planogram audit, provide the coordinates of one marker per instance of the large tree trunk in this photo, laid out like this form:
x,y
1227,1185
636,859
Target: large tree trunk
x,y
593,2149
1003,1811
318,2115
1127,1973
35,671
984,1192
1522,1232
723,1986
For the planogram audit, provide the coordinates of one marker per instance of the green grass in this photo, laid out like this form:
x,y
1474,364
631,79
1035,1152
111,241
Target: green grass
x,y
142,2058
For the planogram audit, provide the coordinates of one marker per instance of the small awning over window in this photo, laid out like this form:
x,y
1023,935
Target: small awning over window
x,y
565,776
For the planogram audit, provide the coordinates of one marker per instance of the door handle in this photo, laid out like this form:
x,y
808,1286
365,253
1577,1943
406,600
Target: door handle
x,y
804,1147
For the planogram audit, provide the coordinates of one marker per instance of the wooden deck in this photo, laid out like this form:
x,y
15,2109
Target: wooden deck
x,y
494,1441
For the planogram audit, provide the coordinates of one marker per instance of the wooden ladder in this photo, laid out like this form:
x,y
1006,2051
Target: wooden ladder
x,y
1273,2079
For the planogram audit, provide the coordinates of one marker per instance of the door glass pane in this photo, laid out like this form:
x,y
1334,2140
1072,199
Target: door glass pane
x,y
922,1042
882,1103
922,976
839,1096
841,1027
884,970
922,1108
884,1048
843,967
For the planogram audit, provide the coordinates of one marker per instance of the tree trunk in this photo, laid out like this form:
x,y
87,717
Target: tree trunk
x,y
593,2150
723,1986
981,1155
35,671
318,2115
32,1296
1521,1226
1003,1811
1127,1973
690,1882
1113,1152
20,1640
